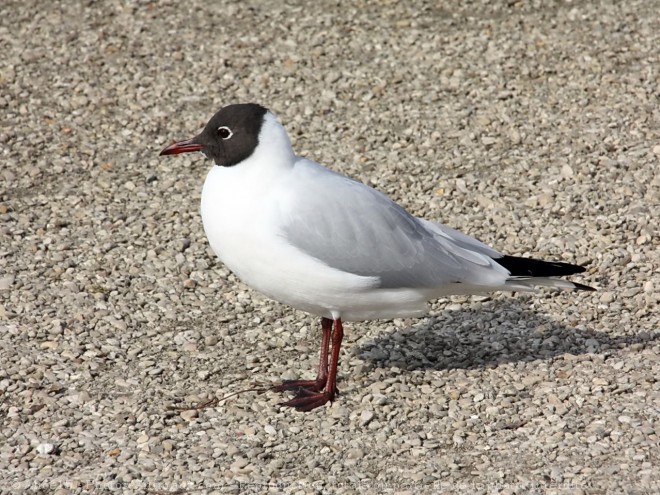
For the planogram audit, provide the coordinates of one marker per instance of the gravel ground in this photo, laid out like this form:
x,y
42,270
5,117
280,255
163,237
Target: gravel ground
x,y
534,126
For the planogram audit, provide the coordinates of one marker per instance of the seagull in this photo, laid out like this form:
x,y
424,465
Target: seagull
x,y
331,246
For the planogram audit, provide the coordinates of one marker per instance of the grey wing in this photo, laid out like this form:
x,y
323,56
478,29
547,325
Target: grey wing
x,y
461,239
354,228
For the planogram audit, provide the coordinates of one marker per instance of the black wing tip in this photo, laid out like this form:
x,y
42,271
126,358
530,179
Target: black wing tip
x,y
577,268
583,287
532,267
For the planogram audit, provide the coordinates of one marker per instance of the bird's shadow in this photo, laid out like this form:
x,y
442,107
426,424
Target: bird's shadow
x,y
501,331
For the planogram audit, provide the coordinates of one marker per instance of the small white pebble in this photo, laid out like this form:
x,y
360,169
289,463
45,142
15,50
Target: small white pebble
x,y
366,417
270,429
46,448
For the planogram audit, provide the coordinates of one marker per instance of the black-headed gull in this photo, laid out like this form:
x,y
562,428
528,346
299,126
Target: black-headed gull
x,y
331,246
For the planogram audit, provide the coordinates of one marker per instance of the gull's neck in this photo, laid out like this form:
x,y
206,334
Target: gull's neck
x,y
274,146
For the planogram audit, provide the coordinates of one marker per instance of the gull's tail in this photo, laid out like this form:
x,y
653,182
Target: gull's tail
x,y
529,272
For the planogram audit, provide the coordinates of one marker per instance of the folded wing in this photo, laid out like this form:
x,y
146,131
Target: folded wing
x,y
356,229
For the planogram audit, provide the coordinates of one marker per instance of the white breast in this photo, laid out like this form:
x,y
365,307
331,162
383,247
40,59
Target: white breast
x,y
241,225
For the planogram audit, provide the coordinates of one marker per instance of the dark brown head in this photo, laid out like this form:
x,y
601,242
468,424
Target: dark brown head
x,y
229,137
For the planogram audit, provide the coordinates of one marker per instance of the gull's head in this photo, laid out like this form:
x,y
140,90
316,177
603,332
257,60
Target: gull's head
x,y
232,135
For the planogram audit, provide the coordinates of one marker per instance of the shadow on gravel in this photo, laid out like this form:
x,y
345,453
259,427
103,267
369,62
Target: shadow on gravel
x,y
501,331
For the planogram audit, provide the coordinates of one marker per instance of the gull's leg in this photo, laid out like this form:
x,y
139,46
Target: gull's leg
x,y
306,400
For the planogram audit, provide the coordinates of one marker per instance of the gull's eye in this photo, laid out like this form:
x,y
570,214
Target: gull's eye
x,y
225,132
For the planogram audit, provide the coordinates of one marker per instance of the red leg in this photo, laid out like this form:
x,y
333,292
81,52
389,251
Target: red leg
x,y
318,383
306,400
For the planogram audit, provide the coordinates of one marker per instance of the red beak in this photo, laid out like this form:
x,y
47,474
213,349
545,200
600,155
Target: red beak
x,y
182,147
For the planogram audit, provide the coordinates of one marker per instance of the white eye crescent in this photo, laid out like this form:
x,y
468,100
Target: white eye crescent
x,y
225,132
